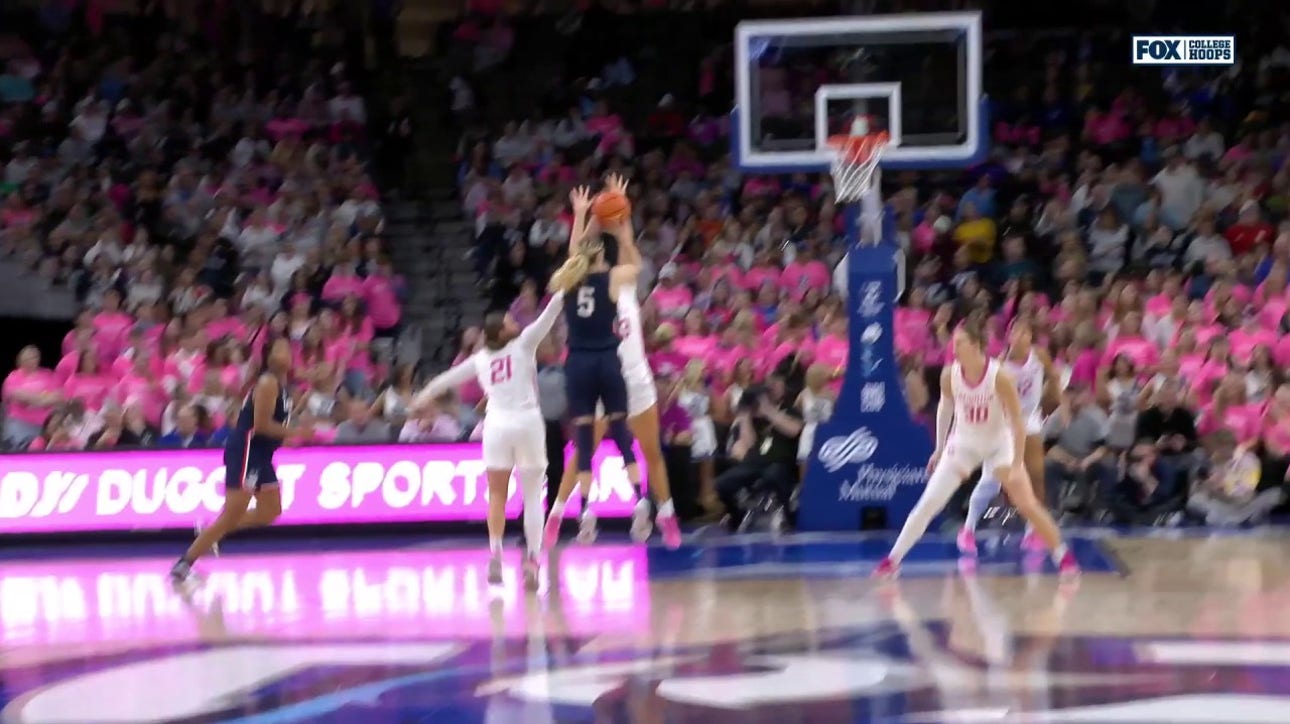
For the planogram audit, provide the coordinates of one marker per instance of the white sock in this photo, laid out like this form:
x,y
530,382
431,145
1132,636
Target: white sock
x,y
1059,553
666,509
495,546
557,509
982,496
531,486
940,488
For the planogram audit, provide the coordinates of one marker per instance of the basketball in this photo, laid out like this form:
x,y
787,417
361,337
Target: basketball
x,y
610,207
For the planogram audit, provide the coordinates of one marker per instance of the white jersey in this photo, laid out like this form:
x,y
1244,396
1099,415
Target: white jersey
x,y
508,375
631,350
978,412
1029,376
981,435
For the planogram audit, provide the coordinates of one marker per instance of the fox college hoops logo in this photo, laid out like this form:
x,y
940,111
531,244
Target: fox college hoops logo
x,y
852,449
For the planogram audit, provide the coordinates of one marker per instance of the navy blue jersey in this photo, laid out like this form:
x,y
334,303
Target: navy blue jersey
x,y
591,314
246,421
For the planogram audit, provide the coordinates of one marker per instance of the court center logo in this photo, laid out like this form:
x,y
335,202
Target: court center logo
x,y
1184,49
851,449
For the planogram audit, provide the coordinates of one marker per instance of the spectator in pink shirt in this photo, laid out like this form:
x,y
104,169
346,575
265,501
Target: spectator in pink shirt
x,y
137,345
1229,410
1159,305
672,298
663,356
1205,376
1084,359
315,349
833,347
142,389
793,341
695,340
1131,342
726,272
111,325
30,394
186,363
90,384
343,282
1276,427
381,292
1250,335
805,272
1105,128
763,270
81,335
227,359
726,353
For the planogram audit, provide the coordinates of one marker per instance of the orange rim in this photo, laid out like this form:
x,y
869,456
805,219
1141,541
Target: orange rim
x,y
859,148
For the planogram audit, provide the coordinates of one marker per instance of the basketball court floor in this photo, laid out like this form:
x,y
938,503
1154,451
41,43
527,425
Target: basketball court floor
x,y
1187,628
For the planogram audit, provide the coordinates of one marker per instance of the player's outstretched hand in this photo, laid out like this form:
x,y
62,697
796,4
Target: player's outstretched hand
x,y
580,198
616,182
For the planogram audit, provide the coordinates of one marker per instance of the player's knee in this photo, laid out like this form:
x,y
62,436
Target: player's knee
x,y
584,444
622,437
270,508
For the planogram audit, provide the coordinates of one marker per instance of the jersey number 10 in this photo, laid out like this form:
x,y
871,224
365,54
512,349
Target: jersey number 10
x,y
977,414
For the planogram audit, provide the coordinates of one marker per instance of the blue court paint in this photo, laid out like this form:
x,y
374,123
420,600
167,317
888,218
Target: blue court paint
x,y
837,557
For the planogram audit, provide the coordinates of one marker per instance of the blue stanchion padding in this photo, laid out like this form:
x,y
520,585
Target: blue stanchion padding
x,y
869,460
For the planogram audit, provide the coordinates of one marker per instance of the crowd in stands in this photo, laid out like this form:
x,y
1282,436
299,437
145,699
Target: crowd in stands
x,y
198,199
1137,222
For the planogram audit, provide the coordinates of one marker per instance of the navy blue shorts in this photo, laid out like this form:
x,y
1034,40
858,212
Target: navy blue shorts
x,y
248,466
592,376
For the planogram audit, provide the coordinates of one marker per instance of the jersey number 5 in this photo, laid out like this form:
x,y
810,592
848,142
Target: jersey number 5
x,y
586,301
500,370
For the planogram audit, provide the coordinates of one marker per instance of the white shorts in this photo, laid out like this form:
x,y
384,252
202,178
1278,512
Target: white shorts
x,y
641,394
1034,423
514,441
964,456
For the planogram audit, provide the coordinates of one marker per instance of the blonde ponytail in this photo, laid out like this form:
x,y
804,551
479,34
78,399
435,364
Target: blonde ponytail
x,y
575,269
570,274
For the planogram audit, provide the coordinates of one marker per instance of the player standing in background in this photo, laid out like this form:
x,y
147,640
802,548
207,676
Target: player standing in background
x,y
593,371
514,434
642,396
263,424
1032,370
989,431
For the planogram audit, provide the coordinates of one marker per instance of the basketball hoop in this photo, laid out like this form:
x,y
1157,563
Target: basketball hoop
x,y
855,164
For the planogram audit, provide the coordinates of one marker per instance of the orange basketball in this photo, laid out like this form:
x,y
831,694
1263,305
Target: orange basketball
x,y
611,207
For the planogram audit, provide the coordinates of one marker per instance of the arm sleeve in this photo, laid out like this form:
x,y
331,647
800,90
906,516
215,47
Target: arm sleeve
x,y
541,327
455,376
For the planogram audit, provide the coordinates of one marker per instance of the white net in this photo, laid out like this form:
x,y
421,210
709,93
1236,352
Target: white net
x,y
855,165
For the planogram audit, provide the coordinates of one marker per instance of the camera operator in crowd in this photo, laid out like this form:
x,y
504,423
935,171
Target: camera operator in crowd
x,y
763,442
